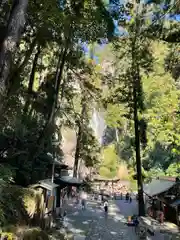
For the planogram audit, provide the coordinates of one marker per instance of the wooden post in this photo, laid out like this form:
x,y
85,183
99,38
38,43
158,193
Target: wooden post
x,y
112,190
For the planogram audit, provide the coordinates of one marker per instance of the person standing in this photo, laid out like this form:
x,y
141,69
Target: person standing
x,y
83,199
121,196
161,212
106,206
127,197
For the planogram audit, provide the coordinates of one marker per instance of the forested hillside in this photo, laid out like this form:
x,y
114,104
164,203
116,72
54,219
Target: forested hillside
x,y
47,83
161,104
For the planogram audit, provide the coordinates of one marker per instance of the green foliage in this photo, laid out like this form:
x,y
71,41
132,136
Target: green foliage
x,y
6,174
35,233
9,236
19,201
109,164
133,185
48,70
161,103
173,170
90,151
115,115
158,101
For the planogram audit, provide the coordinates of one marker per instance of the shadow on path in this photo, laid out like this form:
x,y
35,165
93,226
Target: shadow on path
x,y
91,224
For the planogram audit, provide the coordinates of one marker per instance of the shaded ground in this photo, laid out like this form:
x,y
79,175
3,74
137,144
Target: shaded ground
x,y
126,208
91,224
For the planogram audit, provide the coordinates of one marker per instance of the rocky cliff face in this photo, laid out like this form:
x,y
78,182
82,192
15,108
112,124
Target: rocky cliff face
x,y
68,148
103,133
68,145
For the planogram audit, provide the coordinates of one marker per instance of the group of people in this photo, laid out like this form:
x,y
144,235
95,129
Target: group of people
x,y
83,197
80,196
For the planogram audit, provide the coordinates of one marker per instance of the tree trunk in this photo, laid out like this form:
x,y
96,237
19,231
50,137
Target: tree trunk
x,y
78,149
79,139
50,120
138,157
22,65
58,78
135,84
31,80
27,56
13,34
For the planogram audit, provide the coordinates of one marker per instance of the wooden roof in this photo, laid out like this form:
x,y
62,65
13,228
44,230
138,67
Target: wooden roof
x,y
68,180
158,186
46,183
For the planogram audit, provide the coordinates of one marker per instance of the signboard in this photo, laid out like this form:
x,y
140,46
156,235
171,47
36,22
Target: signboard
x,y
50,203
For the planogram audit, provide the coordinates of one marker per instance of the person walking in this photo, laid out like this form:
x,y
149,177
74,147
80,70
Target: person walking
x,y
83,199
106,208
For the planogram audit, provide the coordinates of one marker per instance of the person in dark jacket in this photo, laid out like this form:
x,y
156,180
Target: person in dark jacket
x,y
127,197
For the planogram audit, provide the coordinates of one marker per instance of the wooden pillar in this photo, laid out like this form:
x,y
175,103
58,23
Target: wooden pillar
x,y
177,217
